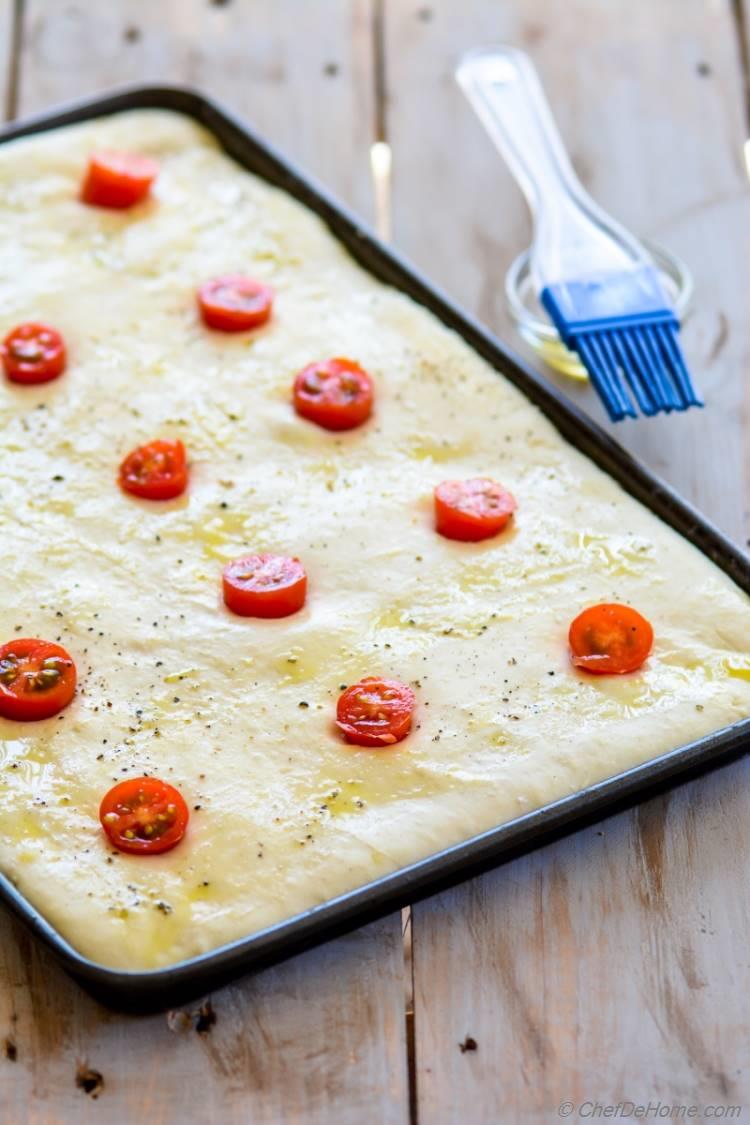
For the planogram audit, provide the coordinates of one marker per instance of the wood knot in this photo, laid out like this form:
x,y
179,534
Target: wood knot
x,y
89,1080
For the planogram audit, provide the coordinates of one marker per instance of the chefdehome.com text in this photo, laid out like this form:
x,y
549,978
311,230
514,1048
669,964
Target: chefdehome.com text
x,y
648,1111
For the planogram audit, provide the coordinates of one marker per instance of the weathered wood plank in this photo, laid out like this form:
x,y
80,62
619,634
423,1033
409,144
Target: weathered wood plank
x,y
611,965
300,73
320,1039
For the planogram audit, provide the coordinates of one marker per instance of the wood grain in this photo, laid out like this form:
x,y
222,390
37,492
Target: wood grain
x,y
320,1039
611,965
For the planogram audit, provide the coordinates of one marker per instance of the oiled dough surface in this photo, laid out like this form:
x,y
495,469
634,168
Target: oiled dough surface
x,y
285,814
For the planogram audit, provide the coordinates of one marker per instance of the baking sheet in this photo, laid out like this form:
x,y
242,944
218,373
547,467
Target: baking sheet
x,y
160,988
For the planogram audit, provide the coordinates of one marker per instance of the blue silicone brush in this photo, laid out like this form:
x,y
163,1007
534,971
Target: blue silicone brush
x,y
596,281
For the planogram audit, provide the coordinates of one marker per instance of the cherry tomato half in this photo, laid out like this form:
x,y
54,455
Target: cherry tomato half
x,y
33,353
264,586
144,816
118,179
37,679
157,471
336,394
375,712
235,303
610,639
471,510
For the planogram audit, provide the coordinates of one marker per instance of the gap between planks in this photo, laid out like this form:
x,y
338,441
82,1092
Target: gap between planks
x,y
381,167
740,15
13,17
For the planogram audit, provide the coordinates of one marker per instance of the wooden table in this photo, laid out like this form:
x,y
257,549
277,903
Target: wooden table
x,y
613,965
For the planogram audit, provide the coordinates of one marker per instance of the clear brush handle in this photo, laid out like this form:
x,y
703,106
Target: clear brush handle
x,y
572,236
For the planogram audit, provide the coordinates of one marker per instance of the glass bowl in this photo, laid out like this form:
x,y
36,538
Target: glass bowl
x,y
535,328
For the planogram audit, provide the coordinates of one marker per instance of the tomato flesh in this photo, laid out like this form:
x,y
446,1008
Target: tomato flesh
x,y
33,353
471,510
118,179
375,712
336,394
264,586
157,471
37,679
610,639
235,303
144,816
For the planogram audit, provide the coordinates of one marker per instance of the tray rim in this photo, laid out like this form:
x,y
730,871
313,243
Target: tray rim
x,y
155,989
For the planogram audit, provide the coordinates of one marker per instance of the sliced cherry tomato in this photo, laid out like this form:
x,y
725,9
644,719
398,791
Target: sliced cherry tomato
x,y
33,353
337,394
610,639
375,712
471,510
144,816
157,471
264,586
118,179
235,303
37,679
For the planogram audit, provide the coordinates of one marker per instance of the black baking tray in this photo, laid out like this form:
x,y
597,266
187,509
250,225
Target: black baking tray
x,y
158,989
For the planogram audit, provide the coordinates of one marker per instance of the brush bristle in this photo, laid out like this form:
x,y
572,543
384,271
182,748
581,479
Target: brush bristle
x,y
641,363
623,329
